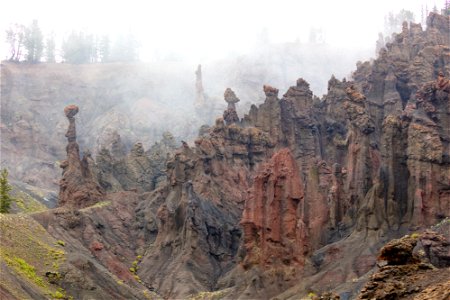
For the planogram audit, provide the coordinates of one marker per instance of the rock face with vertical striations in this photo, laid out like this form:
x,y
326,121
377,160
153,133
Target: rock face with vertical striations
x,y
197,211
78,186
301,193
273,220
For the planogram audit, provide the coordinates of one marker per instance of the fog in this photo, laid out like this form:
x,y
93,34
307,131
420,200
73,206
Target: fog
x,y
206,32
240,44
202,30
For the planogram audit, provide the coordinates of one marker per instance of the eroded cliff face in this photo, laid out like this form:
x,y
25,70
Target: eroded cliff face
x,y
198,233
296,196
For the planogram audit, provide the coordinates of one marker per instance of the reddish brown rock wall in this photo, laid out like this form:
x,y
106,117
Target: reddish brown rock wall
x,y
272,220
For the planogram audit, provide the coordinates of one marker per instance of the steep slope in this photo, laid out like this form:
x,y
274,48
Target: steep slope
x,y
35,265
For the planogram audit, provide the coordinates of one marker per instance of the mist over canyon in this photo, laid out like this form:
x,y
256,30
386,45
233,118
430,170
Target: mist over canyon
x,y
256,176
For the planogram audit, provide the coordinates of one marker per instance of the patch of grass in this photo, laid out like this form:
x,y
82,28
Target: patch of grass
x,y
441,223
26,203
216,295
57,254
97,205
22,267
60,293
150,295
31,254
134,267
61,243
311,296
415,235
138,279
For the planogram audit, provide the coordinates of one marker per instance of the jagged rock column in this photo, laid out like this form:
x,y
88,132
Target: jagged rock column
x,y
230,116
199,92
78,187
273,217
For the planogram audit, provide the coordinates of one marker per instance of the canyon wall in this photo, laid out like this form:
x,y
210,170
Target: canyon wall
x,y
298,195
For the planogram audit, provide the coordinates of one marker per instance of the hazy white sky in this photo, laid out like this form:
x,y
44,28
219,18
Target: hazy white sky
x,y
206,29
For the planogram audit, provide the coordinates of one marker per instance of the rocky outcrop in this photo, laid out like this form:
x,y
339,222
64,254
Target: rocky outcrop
x,y
405,275
399,252
138,170
199,92
412,119
436,247
230,115
372,154
197,220
78,186
307,189
273,219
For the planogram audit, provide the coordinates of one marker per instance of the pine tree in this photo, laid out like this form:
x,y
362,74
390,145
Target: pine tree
x,y
393,22
50,49
79,48
446,10
33,42
5,188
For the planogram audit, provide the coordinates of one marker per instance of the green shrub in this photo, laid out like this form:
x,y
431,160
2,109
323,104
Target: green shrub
x,y
61,243
5,188
26,269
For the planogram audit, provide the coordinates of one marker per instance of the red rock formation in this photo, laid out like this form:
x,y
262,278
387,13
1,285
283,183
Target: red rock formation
x,y
399,252
78,187
270,91
273,217
199,208
405,275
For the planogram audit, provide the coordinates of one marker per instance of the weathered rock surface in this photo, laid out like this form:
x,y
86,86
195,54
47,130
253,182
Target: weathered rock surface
x,y
230,115
399,252
436,247
78,186
102,243
406,276
372,157
198,233
273,219
139,170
